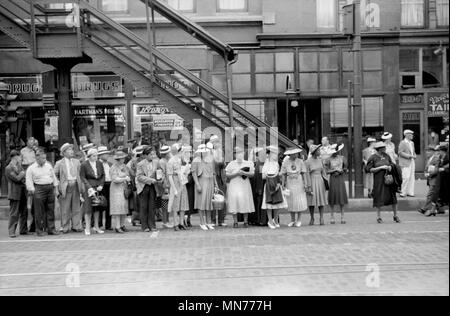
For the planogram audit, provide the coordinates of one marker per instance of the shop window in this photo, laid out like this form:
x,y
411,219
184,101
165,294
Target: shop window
x,y
372,112
186,6
413,13
329,77
432,68
114,6
326,14
232,5
442,9
372,60
254,107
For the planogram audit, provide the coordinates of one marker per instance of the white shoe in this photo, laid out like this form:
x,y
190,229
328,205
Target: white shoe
x,y
203,227
270,224
87,232
291,224
99,231
210,226
213,225
298,224
168,225
277,225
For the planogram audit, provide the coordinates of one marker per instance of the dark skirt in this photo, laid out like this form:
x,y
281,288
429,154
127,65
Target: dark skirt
x,y
337,194
383,194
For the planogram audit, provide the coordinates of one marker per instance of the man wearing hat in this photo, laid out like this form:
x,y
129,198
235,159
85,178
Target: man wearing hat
x,y
15,174
407,157
67,171
432,174
134,202
367,153
390,146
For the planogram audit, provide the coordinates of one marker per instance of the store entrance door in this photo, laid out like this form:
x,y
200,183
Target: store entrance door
x,y
300,122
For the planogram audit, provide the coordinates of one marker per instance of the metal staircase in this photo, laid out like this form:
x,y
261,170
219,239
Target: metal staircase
x,y
120,50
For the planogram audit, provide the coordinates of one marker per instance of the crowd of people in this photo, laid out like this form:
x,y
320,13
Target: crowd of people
x,y
96,190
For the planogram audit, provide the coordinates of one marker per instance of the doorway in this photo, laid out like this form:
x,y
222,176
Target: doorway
x,y
302,122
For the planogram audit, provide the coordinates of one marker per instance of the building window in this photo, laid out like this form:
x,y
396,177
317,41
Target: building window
x,y
232,5
413,13
326,14
182,5
272,70
432,68
61,6
442,12
372,70
114,6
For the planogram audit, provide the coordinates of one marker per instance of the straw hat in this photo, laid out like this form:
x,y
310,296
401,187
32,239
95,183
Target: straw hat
x,y
65,147
408,131
164,150
314,148
272,149
86,147
139,150
379,145
201,149
91,152
386,135
120,155
371,140
292,151
102,150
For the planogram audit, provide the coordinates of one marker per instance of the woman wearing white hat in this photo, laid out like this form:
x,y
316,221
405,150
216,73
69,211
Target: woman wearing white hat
x,y
384,194
205,182
317,197
336,167
120,178
295,179
273,199
367,153
390,146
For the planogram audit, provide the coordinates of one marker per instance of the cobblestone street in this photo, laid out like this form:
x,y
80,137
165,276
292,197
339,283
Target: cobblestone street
x,y
412,257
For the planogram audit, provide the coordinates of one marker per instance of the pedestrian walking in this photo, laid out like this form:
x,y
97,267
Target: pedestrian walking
x,y
384,188
120,180
178,197
317,175
407,156
239,193
67,171
93,176
42,184
368,177
259,217
18,213
390,146
273,198
104,158
205,182
145,189
295,180
433,180
336,167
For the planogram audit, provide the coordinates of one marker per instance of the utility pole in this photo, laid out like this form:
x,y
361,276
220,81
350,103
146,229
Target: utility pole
x,y
357,104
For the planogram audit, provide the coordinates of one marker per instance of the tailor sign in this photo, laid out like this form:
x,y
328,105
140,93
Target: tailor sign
x,y
26,87
438,104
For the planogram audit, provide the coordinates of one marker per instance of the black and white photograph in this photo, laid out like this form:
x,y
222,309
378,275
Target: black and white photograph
x,y
224,154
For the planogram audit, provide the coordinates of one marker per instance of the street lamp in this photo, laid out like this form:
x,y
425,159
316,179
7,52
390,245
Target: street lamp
x,y
290,93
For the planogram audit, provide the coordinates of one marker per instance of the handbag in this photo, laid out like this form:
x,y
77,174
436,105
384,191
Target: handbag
x,y
98,200
128,190
325,181
388,179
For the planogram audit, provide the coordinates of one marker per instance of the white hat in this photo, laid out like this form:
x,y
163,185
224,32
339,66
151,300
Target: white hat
x,y
371,140
209,146
176,147
213,138
187,148
164,150
386,135
88,146
340,147
273,149
201,149
65,147
380,145
139,150
91,152
408,131
314,148
102,150
292,151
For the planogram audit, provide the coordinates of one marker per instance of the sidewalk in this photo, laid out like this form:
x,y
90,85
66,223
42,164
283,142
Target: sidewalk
x,y
355,205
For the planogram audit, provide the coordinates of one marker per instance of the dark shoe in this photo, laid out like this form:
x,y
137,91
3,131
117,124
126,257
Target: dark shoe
x,y
322,223
411,195
26,234
332,222
119,231
421,211
53,232
176,228
311,222
397,219
343,222
430,213
379,220
12,236
235,225
124,229
182,227
77,230
188,223
65,232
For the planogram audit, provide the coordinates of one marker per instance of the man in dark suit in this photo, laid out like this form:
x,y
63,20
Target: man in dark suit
x,y
432,174
15,174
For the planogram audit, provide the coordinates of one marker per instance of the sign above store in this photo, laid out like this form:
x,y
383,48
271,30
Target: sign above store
x,y
411,99
151,109
96,111
438,104
26,87
96,86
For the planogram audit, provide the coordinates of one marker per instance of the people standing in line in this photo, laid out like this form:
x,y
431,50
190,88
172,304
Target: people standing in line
x,y
273,198
390,146
325,149
145,189
186,154
18,214
42,184
407,157
103,156
120,179
432,174
367,153
133,202
384,192
259,218
218,216
178,198
317,196
163,202
93,176
67,171
336,167
295,179
239,193
205,182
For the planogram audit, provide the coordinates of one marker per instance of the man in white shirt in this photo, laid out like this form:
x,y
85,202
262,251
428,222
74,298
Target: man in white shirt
x,y
41,182
407,157
28,153
103,156
67,171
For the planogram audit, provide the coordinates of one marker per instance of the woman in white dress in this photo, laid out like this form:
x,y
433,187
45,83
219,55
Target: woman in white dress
x,y
239,192
294,178
273,201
